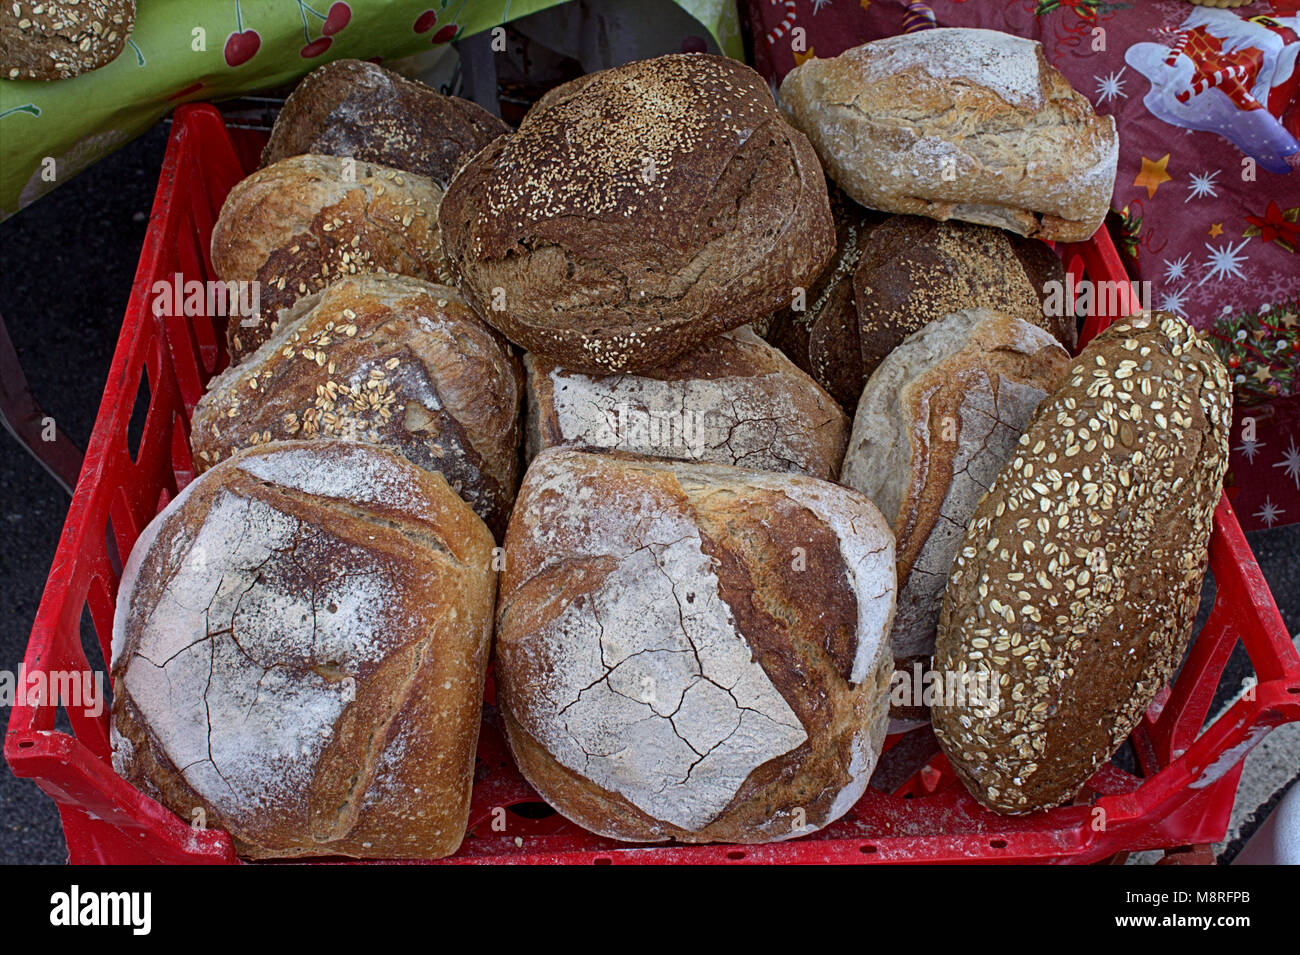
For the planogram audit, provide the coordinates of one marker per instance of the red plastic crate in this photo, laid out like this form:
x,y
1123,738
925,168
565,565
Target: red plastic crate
x,y
1184,795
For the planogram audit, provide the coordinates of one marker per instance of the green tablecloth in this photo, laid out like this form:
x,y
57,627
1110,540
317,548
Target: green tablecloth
x,y
183,50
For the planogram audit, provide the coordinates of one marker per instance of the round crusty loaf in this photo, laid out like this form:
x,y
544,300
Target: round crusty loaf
x,y
638,212
733,400
691,651
299,651
1079,577
894,277
936,423
56,39
385,359
306,221
359,109
958,123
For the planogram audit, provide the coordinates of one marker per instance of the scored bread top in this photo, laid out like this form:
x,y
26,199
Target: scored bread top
x,y
767,670
299,646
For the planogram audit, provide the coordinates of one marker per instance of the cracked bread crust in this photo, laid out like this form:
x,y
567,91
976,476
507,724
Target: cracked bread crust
x,y
638,212
1077,583
733,400
307,221
299,651
692,651
937,422
385,359
359,109
957,123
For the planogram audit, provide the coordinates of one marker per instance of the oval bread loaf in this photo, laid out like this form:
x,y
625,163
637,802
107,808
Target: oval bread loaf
x,y
299,651
691,651
388,360
733,400
958,123
637,212
936,423
1077,584
306,221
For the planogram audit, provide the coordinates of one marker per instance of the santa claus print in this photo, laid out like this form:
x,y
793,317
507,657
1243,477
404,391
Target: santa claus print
x,y
1230,75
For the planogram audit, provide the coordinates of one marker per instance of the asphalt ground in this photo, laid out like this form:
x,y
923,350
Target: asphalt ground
x,y
66,266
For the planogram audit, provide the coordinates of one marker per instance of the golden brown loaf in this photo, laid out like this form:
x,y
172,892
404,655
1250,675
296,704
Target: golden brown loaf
x,y
958,123
306,221
388,360
691,651
299,651
1077,583
638,212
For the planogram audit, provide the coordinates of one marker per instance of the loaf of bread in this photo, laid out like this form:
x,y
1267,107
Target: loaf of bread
x,y
388,360
693,651
1077,583
359,109
299,652
733,400
891,278
56,39
959,123
306,221
936,423
638,212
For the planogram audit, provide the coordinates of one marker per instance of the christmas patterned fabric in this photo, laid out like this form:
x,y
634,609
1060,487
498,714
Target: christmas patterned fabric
x,y
1207,194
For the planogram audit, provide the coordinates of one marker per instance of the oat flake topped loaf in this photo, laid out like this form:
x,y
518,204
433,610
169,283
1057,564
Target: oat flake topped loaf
x,y
1078,580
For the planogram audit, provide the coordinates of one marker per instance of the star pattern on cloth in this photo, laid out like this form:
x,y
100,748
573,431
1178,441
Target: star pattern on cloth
x,y
1269,512
1290,464
1153,173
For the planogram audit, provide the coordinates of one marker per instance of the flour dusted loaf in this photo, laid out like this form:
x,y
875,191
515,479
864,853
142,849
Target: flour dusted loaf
x,y
733,400
693,651
637,212
56,39
388,360
959,123
1077,583
891,278
307,221
299,651
359,109
935,424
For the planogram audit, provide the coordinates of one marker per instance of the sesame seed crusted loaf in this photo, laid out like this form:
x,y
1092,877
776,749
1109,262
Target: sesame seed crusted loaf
x,y
959,123
385,359
1077,583
637,212
56,39
299,651
891,278
733,400
935,424
692,651
359,109
306,221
